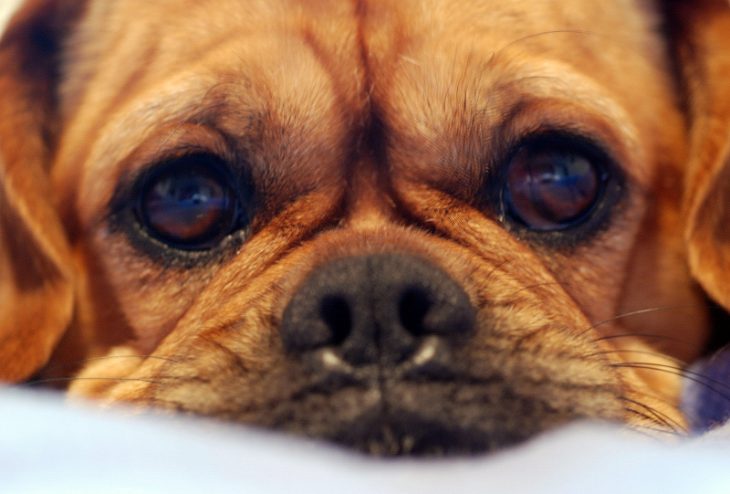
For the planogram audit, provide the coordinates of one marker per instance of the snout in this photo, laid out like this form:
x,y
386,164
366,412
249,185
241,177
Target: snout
x,y
388,354
391,354
391,311
379,335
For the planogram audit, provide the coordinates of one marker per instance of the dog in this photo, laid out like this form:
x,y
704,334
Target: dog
x,y
408,227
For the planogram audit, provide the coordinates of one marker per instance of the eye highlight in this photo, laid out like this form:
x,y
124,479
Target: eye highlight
x,y
189,203
551,186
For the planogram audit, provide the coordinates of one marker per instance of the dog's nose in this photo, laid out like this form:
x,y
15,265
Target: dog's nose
x,y
376,309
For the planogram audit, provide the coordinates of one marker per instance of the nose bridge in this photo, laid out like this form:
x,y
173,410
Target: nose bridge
x,y
370,201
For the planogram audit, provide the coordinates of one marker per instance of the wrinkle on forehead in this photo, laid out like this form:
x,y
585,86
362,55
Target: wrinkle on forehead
x,y
141,39
442,69
137,39
371,50
134,65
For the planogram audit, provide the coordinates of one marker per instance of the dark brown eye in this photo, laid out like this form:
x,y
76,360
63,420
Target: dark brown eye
x,y
188,203
551,188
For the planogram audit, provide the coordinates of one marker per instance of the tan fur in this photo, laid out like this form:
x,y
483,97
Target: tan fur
x,y
370,124
704,48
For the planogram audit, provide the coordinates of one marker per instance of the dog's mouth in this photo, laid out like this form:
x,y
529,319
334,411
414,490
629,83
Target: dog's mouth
x,y
397,416
397,433
376,421
391,366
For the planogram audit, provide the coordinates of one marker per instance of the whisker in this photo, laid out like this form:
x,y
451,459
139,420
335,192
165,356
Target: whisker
x,y
633,313
648,336
637,352
528,37
623,41
139,356
660,416
695,377
155,380
651,419
81,363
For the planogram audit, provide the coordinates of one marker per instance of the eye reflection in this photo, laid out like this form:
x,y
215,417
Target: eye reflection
x,y
188,204
551,189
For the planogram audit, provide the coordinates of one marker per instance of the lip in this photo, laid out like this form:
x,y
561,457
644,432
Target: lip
x,y
389,416
393,432
436,410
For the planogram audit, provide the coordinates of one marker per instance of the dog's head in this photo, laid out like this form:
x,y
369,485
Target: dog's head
x,y
405,226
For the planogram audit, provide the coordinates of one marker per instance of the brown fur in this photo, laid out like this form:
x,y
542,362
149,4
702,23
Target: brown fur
x,y
370,126
703,51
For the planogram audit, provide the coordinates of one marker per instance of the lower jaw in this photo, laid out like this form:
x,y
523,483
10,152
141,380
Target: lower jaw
x,y
399,433
411,436
424,419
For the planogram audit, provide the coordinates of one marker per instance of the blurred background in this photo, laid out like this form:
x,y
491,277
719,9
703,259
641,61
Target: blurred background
x,y
6,8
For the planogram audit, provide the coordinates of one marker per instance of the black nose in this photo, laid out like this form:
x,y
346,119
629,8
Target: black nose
x,y
375,309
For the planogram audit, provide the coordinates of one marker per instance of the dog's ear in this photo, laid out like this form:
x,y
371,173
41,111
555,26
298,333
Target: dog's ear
x,y
701,34
35,271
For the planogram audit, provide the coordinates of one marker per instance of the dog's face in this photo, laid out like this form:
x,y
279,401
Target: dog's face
x,y
406,226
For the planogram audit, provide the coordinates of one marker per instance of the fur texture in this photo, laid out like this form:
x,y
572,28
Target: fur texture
x,y
366,128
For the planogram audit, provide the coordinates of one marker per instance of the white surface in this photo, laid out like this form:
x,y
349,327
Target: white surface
x,y
46,447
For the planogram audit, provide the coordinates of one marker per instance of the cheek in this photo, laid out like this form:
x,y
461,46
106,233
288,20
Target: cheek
x,y
658,277
142,296
594,285
594,276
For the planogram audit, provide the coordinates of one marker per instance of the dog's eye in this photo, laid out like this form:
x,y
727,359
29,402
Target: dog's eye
x,y
549,188
188,203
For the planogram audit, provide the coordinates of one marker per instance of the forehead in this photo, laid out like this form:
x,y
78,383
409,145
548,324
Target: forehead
x,y
157,38
424,66
515,18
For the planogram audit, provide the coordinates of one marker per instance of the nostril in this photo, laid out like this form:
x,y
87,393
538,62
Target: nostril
x,y
336,314
375,309
413,306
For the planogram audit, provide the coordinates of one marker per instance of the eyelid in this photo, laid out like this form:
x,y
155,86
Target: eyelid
x,y
608,205
534,116
166,144
533,211
202,165
123,219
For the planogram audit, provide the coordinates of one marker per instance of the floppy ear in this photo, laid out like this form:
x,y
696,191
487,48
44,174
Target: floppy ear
x,y
36,295
701,31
